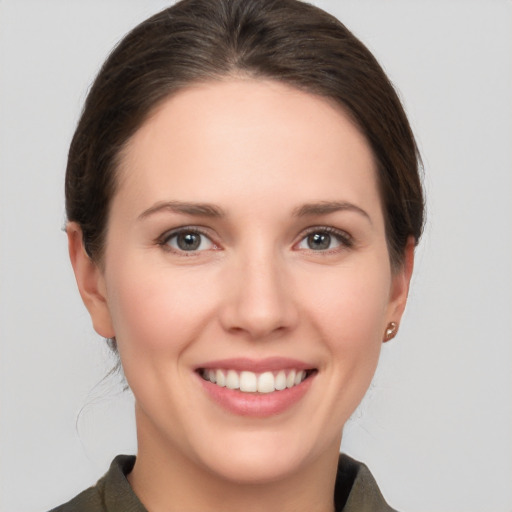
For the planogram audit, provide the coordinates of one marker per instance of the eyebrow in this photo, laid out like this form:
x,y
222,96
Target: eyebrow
x,y
213,211
196,209
327,207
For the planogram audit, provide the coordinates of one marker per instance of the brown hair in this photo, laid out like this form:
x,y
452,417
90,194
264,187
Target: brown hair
x,y
200,40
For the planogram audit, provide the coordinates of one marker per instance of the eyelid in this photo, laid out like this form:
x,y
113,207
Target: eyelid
x,y
346,240
163,239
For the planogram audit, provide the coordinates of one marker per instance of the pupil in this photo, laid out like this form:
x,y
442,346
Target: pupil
x,y
189,241
318,241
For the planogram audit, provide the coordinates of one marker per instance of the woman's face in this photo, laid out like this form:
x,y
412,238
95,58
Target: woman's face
x,y
246,243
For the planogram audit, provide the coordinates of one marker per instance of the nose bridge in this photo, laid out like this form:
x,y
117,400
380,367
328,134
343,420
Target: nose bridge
x,y
261,301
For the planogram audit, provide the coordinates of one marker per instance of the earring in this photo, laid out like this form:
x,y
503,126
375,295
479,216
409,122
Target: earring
x,y
391,331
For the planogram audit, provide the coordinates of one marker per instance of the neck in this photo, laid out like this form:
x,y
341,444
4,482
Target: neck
x,y
166,479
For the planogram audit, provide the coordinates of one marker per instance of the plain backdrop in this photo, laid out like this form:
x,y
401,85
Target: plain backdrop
x,y
436,426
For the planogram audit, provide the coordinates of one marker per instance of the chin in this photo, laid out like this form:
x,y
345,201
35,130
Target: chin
x,y
261,457
255,468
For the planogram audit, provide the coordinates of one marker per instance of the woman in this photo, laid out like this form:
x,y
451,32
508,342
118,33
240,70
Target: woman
x,y
243,204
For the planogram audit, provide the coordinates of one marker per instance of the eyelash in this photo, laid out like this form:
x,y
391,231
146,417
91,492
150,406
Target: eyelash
x,y
345,240
164,240
342,237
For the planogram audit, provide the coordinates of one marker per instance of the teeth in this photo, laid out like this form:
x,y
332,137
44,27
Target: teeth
x,y
266,383
250,382
290,380
220,377
232,380
280,383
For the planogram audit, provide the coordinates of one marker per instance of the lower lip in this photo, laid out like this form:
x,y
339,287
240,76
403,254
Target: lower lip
x,y
256,404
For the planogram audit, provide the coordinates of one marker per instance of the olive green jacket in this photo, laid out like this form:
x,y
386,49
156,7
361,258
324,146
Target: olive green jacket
x,y
356,490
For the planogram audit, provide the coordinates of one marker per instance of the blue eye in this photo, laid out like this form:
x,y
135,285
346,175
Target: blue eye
x,y
188,241
324,239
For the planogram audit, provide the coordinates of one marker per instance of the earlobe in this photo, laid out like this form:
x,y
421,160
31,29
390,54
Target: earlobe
x,y
90,281
401,281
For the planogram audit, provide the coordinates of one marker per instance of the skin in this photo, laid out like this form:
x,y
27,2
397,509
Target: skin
x,y
255,288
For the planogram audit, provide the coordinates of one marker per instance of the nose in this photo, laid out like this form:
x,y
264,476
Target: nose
x,y
259,300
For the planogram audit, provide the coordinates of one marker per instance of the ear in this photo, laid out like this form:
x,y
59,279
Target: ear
x,y
400,281
91,282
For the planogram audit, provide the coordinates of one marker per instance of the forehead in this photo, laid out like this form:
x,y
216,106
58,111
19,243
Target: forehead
x,y
252,138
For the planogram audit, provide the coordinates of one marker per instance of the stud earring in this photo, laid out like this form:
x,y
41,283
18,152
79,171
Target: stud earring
x,y
391,331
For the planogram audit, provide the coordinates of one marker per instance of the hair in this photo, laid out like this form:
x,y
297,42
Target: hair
x,y
196,41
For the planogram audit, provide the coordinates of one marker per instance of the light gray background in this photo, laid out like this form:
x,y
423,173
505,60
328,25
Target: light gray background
x,y
436,427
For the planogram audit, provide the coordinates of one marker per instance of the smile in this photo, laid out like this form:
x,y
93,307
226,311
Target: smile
x,y
251,382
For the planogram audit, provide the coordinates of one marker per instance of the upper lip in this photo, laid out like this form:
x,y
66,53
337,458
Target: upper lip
x,y
256,365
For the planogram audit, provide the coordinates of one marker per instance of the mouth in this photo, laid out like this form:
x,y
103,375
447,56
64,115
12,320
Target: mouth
x,y
257,388
252,382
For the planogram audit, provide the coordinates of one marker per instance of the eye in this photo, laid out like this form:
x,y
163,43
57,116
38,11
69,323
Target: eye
x,y
187,240
325,239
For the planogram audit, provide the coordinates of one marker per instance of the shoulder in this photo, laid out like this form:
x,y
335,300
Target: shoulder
x,y
112,493
356,489
90,500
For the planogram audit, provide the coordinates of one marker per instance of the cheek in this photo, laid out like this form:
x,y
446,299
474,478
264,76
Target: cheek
x,y
350,313
157,310
352,302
